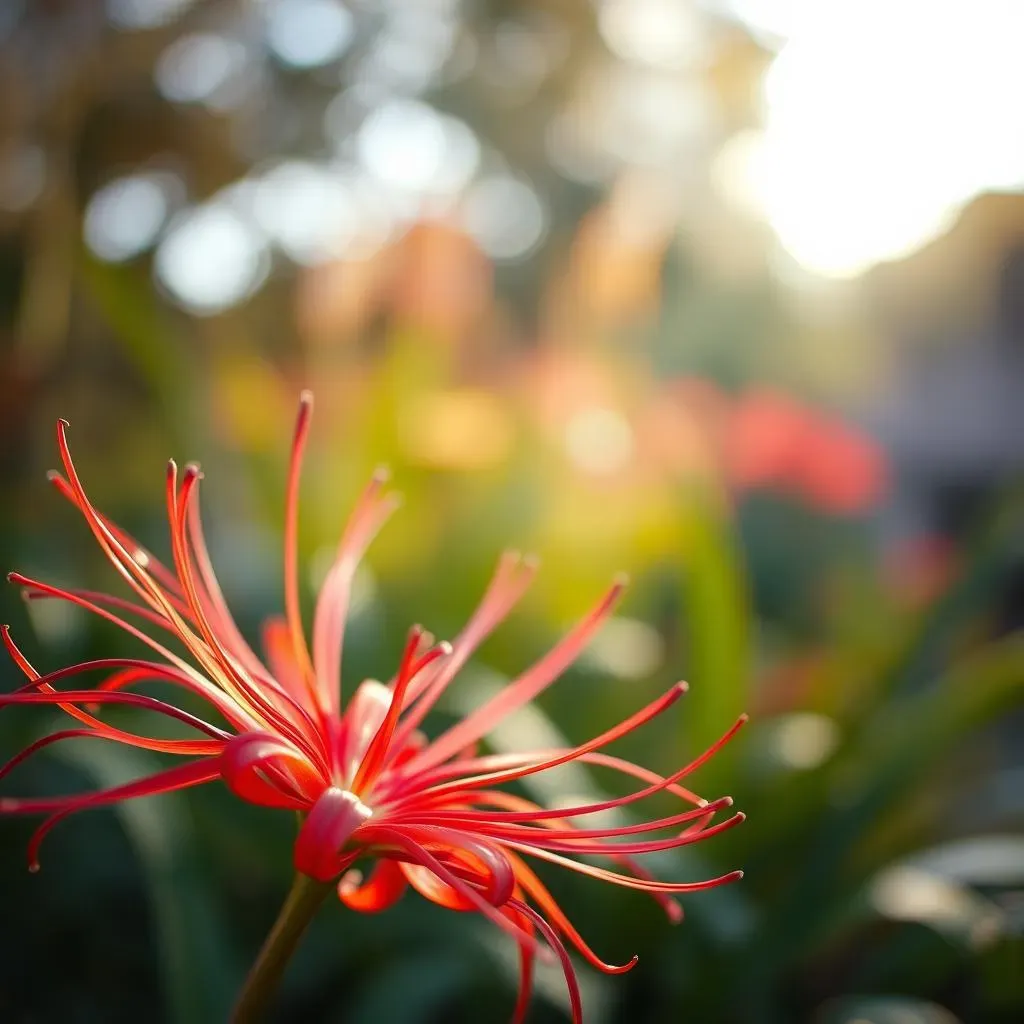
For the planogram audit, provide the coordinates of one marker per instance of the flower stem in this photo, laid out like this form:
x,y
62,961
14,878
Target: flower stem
x,y
299,908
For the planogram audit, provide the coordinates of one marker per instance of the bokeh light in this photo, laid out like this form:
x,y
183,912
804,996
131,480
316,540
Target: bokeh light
x,y
210,258
307,33
125,216
853,169
195,68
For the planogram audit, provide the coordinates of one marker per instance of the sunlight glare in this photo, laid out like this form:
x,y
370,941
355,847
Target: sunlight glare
x,y
882,120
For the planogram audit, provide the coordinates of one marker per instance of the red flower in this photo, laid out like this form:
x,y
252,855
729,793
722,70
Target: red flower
x,y
773,441
365,780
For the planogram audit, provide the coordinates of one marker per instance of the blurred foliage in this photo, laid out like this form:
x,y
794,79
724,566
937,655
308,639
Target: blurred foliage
x,y
618,400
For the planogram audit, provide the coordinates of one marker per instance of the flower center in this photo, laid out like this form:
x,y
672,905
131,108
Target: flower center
x,y
335,816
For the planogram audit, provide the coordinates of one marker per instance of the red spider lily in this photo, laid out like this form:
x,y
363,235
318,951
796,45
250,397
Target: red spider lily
x,y
365,780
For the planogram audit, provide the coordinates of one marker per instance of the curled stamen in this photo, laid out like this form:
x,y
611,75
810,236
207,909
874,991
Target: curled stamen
x,y
575,1001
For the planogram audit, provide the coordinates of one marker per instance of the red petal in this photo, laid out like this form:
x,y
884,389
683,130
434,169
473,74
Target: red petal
x,y
333,819
383,889
262,769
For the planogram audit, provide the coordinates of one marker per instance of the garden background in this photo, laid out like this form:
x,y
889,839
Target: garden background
x,y
726,294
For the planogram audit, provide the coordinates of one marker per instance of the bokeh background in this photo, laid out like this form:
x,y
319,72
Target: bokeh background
x,y
725,293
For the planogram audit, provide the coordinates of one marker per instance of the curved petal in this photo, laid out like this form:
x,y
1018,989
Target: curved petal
x,y
384,888
526,959
263,769
333,819
575,1002
193,773
481,865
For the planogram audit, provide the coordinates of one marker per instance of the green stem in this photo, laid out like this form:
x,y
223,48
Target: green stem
x,y
299,908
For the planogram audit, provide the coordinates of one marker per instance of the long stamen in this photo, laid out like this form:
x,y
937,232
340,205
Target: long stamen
x,y
218,611
524,689
638,718
526,958
642,884
540,894
293,611
499,819
69,697
138,553
43,691
575,1001
238,716
134,574
97,596
239,686
190,747
411,666
569,843
510,581
194,773
369,515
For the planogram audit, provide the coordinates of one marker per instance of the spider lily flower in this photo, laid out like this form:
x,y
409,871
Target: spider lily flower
x,y
367,783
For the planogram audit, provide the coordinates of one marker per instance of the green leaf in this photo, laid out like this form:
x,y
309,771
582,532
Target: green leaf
x,y
909,736
388,995
127,302
717,622
884,1010
986,562
196,958
877,772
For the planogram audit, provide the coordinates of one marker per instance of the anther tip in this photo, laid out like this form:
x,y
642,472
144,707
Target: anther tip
x,y
304,415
